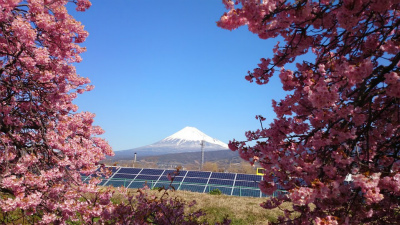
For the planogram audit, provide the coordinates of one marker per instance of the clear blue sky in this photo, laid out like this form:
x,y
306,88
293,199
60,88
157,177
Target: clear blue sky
x,y
159,66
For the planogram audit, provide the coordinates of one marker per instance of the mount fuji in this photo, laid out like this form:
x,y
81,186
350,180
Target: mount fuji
x,y
188,139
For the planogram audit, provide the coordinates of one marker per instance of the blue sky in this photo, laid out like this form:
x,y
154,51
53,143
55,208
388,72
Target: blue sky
x,y
159,66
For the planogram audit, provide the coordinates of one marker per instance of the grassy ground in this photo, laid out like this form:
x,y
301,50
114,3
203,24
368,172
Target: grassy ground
x,y
241,210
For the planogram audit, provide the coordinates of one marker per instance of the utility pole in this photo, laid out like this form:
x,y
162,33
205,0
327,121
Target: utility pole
x,y
202,154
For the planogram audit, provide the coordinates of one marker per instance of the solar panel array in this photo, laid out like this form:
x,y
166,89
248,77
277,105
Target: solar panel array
x,y
196,181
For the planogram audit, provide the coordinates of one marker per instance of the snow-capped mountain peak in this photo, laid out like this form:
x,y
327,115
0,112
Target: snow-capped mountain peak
x,y
190,134
189,139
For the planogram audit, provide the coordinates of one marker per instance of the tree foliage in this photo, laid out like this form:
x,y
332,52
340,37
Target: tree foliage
x,y
210,166
335,141
45,145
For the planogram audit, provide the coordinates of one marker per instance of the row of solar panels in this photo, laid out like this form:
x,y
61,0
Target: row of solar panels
x,y
196,181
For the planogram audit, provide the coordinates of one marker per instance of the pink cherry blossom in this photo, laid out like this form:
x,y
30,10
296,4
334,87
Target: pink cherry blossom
x,y
334,142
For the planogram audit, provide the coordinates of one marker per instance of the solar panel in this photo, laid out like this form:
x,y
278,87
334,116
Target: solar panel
x,y
222,182
191,187
129,170
146,177
152,171
174,172
248,177
137,184
246,192
195,180
176,186
223,175
198,174
118,182
225,191
246,183
176,179
124,176
164,178
162,184
167,185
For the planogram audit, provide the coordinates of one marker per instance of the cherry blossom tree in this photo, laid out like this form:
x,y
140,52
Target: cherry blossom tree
x,y
334,144
44,144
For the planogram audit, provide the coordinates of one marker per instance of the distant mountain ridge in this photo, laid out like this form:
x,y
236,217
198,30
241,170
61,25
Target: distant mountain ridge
x,y
194,157
188,139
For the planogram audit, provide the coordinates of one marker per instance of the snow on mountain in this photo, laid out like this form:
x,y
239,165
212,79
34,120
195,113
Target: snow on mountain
x,y
190,135
186,140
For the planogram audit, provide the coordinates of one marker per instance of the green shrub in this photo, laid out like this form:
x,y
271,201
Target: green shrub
x,y
215,192
158,188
